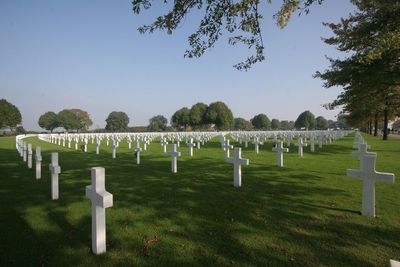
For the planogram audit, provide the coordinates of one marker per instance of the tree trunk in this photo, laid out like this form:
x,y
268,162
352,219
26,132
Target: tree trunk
x,y
376,124
385,123
370,127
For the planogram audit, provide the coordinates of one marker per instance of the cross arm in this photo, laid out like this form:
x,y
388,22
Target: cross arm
x,y
354,174
54,169
385,177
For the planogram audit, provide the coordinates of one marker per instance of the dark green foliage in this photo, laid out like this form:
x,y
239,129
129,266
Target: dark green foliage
x,y
321,123
83,119
241,20
242,124
9,115
261,122
220,115
117,121
49,121
68,120
181,118
197,115
287,125
370,76
157,124
275,124
305,120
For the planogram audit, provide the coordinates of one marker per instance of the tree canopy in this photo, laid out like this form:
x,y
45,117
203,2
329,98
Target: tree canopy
x,y
10,116
287,125
370,76
261,122
220,115
83,119
181,118
49,121
197,115
305,120
275,124
68,120
158,123
240,124
240,20
117,121
321,123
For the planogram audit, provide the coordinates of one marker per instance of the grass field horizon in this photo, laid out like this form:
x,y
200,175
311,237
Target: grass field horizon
x,y
304,214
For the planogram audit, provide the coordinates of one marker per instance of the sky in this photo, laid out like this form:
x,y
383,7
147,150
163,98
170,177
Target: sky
x,y
57,55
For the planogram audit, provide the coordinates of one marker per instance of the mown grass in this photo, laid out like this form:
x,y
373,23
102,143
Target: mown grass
x,y
304,214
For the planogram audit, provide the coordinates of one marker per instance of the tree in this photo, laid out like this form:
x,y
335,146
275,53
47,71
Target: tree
x,y
275,124
321,123
49,121
370,76
305,120
220,115
197,115
261,122
157,124
83,118
117,121
342,122
9,115
181,118
240,19
242,124
68,120
285,125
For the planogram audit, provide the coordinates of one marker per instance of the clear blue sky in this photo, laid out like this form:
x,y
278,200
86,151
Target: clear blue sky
x,y
89,55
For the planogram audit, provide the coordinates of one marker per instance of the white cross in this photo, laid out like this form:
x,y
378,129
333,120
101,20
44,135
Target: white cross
x,y
145,143
237,162
246,141
362,150
320,139
280,149
30,156
86,143
227,148
289,141
137,150
312,142
129,143
55,170
97,145
256,143
222,140
38,159
369,175
394,263
164,144
191,145
198,143
300,144
101,199
114,149
25,151
174,156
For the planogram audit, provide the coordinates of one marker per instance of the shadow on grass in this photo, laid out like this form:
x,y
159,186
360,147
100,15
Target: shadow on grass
x,y
193,218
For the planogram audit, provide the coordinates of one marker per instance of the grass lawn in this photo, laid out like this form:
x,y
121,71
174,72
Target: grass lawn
x,y
304,214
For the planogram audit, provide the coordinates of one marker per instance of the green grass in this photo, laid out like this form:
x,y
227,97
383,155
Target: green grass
x,y
304,214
